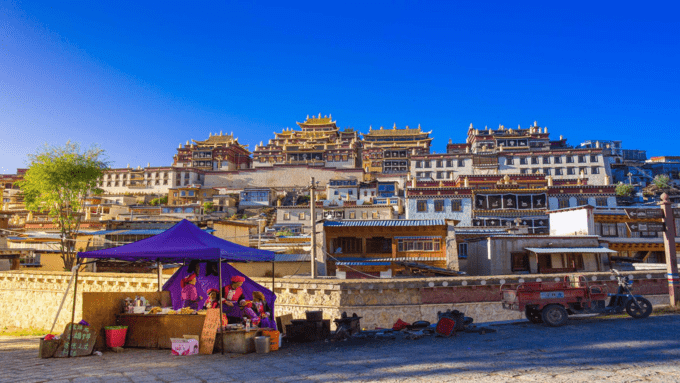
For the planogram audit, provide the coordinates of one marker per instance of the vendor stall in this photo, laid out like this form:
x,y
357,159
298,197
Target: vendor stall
x,y
203,282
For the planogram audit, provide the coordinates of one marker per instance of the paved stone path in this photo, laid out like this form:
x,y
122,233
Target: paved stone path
x,y
586,350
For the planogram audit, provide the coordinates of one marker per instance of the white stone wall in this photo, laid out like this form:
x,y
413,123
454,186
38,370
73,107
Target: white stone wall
x,y
572,222
465,215
292,176
434,170
529,168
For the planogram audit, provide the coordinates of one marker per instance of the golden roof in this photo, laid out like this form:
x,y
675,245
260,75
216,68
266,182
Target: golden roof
x,y
395,131
219,140
325,120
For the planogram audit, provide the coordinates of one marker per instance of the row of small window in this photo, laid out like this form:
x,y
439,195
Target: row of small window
x,y
438,175
561,171
178,210
352,215
260,196
439,205
563,203
351,192
125,183
110,176
440,163
349,245
556,160
612,230
430,244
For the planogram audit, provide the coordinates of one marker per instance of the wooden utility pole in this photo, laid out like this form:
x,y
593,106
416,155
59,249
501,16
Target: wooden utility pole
x,y
312,204
671,256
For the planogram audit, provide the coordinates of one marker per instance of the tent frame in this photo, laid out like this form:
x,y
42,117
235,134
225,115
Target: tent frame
x,y
160,276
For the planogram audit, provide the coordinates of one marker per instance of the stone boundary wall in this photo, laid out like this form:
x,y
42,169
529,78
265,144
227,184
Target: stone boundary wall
x,y
380,302
278,176
30,299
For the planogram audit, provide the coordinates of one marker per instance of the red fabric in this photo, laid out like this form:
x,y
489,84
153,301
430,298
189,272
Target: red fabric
x,y
238,292
400,325
187,279
237,278
213,290
446,327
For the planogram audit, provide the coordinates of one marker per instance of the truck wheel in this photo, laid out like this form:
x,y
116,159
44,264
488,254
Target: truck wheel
x,y
533,315
554,315
643,312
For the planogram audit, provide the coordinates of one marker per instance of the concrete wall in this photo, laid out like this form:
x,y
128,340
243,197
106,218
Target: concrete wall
x,y
572,222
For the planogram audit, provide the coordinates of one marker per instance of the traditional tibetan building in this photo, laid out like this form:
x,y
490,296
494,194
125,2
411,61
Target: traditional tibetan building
x,y
388,151
218,152
515,151
502,200
319,142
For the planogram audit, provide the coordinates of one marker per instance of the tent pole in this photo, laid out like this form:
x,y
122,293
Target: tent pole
x,y
273,280
221,314
273,277
160,275
73,311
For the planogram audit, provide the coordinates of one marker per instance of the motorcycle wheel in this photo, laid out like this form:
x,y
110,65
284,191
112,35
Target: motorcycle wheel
x,y
643,312
554,315
533,315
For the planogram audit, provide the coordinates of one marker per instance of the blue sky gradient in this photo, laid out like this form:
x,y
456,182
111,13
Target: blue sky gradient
x,y
138,79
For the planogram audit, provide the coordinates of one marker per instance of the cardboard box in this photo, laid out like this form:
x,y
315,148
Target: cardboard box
x,y
183,347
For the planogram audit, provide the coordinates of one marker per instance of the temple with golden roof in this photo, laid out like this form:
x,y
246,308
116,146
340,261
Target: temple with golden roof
x,y
388,151
218,152
319,142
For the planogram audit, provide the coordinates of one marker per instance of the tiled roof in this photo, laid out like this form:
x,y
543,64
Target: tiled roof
x,y
556,250
386,223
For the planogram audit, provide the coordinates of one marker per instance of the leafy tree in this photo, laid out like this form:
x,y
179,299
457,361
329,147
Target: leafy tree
x,y
57,181
159,201
624,190
208,207
661,181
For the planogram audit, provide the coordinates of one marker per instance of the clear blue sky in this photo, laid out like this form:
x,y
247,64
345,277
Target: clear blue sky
x,y
140,79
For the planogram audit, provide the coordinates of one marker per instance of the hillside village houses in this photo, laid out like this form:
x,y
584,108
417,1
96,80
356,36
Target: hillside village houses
x,y
384,195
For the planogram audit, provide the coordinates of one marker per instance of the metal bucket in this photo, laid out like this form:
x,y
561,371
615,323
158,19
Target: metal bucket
x,y
262,344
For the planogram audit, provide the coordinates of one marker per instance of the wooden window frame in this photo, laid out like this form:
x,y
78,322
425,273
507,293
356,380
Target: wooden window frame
x,y
519,261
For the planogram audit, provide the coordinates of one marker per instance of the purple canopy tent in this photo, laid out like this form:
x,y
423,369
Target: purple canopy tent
x,y
181,243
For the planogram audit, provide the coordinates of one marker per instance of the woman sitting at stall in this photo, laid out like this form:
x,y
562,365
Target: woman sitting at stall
x,y
213,299
189,292
232,293
263,311
248,313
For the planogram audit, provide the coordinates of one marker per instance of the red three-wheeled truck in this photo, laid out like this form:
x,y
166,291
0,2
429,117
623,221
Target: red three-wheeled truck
x,y
552,302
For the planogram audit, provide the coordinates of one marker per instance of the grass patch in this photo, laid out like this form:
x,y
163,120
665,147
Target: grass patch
x,y
9,331
666,310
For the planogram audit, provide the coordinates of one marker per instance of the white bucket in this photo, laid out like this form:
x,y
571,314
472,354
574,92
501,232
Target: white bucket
x,y
262,344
